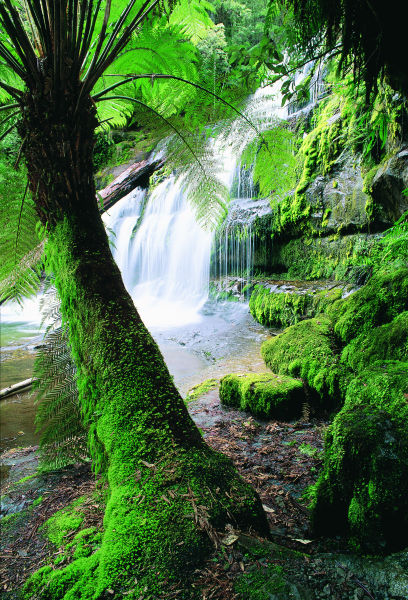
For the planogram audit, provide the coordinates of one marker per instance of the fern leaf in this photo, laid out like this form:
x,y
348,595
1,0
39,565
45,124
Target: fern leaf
x,y
63,437
20,267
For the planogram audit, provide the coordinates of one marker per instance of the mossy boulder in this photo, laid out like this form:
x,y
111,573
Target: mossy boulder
x,y
278,309
286,304
363,489
265,395
377,303
386,342
308,350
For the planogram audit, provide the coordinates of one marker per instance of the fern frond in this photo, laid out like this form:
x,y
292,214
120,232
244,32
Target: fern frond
x,y
193,19
20,268
63,437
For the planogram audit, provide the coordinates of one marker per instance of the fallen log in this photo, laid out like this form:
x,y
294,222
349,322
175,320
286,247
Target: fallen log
x,y
137,175
16,387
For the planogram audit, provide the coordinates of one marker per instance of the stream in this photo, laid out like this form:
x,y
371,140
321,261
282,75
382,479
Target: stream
x,y
224,339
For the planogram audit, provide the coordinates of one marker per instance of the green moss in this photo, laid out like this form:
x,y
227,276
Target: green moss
x,y
161,509
377,303
155,508
265,395
363,488
309,450
278,309
307,350
64,521
85,542
386,342
315,258
263,582
281,309
200,389
342,123
24,479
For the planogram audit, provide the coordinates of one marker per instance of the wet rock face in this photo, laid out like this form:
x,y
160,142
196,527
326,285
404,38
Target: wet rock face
x,y
387,187
338,200
341,203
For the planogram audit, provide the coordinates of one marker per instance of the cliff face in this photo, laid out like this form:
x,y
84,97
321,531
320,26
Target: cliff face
x,y
333,215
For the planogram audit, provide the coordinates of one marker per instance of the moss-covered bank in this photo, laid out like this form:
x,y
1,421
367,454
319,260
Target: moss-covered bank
x,y
281,308
363,488
354,356
308,350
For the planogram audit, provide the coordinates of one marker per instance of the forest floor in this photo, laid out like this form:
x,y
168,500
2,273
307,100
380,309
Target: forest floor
x,y
281,460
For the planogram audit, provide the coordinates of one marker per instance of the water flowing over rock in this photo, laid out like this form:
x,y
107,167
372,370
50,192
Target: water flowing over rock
x,y
164,254
164,259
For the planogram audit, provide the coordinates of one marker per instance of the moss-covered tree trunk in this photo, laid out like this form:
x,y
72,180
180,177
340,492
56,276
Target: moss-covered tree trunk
x,y
168,489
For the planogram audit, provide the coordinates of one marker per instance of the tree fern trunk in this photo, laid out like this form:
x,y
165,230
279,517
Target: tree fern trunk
x,y
168,489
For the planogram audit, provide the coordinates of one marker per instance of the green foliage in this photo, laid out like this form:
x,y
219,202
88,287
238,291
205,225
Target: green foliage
x,y
213,56
103,149
265,395
368,37
63,437
274,161
248,49
309,450
243,21
308,350
163,44
20,267
363,487
389,252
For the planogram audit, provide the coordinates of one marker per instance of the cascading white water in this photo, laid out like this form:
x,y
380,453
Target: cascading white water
x,y
120,222
165,261
165,258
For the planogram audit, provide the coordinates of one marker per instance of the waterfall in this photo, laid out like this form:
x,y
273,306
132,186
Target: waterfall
x,y
164,254
164,258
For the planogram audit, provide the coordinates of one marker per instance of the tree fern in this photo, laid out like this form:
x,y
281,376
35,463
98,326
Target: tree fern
x,y
58,417
159,43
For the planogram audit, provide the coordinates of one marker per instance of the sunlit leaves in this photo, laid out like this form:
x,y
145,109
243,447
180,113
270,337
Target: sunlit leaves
x,y
20,266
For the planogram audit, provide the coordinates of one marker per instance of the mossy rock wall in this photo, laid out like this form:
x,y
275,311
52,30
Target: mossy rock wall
x,y
363,488
377,303
283,305
309,257
354,356
343,196
386,342
265,395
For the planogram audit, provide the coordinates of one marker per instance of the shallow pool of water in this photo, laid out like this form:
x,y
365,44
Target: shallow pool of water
x,y
225,340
